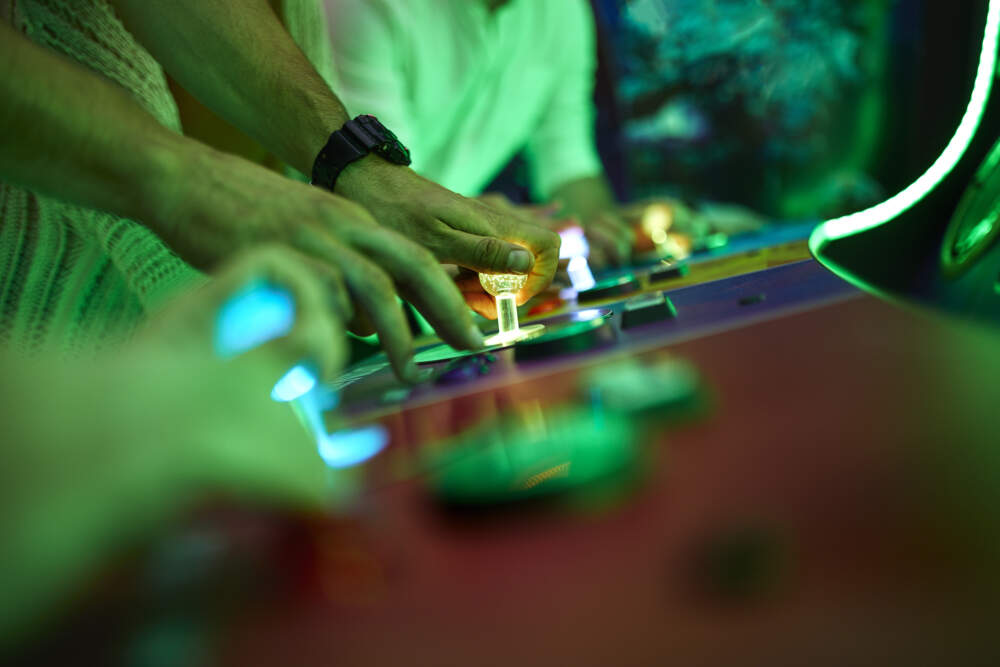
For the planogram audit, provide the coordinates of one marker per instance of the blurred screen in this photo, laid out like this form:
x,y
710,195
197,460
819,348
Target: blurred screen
x,y
796,109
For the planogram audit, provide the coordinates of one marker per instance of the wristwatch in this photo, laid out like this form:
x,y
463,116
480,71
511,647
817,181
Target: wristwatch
x,y
356,139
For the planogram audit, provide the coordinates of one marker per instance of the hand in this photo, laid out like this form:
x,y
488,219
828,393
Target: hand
x,y
215,415
610,239
731,219
544,215
186,325
220,204
152,426
457,230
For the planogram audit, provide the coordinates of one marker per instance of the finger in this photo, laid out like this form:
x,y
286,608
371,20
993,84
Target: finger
x,y
332,280
597,259
475,296
422,281
360,325
604,243
317,332
485,254
374,293
616,228
317,335
477,219
482,303
269,456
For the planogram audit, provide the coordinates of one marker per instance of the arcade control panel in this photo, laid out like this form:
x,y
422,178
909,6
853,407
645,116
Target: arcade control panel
x,y
567,407
619,316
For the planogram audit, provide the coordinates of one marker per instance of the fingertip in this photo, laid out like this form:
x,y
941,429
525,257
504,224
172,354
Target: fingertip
x,y
520,261
474,338
410,372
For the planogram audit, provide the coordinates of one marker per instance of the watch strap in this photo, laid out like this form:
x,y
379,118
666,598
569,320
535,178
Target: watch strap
x,y
341,149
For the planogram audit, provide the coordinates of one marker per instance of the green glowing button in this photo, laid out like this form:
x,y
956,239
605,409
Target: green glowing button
x,y
520,459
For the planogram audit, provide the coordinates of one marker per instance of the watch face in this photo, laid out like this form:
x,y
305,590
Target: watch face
x,y
395,152
389,146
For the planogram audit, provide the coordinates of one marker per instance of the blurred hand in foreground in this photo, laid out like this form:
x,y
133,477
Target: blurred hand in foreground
x,y
99,452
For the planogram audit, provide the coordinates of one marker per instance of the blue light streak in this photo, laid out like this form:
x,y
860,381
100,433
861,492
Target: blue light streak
x,y
261,312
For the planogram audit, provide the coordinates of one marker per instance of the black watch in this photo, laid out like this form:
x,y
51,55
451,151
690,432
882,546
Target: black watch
x,y
356,139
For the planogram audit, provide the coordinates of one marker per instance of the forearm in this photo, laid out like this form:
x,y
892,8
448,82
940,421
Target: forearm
x,y
238,60
586,197
69,133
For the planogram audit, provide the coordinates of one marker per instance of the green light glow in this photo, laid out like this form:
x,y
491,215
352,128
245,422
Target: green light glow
x,y
880,214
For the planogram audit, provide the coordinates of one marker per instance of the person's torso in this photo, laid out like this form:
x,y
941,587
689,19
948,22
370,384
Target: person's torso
x,y
479,82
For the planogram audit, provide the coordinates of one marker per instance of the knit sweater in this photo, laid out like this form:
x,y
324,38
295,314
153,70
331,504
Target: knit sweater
x,y
73,278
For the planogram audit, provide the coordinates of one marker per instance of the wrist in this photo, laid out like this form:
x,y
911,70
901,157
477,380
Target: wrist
x,y
370,177
171,167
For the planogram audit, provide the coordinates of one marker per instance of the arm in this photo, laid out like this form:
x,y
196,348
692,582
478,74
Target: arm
x,y
238,60
74,135
242,64
150,450
589,200
64,129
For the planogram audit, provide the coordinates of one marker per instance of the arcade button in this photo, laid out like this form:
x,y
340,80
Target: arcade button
x,y
647,309
567,337
662,389
609,289
711,242
511,461
753,299
667,271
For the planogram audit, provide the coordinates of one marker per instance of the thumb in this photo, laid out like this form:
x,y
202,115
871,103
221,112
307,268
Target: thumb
x,y
485,254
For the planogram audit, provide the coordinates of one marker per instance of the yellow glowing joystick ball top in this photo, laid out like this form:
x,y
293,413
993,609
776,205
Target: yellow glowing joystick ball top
x,y
503,287
502,283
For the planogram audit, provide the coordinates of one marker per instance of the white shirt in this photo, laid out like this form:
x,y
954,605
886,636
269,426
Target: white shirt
x,y
466,89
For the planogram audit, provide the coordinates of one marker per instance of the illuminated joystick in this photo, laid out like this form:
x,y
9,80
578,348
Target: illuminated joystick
x,y
504,288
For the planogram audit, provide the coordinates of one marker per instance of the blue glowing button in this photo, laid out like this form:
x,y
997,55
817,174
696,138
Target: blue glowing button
x,y
349,448
297,382
251,317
